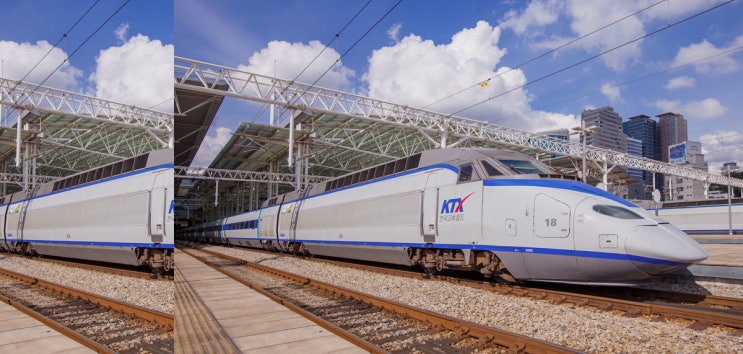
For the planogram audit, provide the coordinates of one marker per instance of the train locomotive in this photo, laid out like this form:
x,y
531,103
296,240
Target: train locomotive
x,y
117,213
497,212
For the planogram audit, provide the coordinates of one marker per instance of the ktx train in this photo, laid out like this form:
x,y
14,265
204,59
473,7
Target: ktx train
x,y
118,213
494,211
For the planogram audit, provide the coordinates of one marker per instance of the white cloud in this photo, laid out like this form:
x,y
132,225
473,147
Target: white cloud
x,y
612,92
723,64
286,60
704,109
139,72
720,147
121,32
211,146
680,82
536,14
586,17
418,72
394,32
18,59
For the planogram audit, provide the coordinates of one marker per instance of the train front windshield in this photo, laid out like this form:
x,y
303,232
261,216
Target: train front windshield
x,y
523,166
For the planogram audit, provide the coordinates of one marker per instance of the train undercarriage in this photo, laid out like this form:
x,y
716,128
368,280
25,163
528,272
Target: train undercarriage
x,y
431,260
159,260
435,260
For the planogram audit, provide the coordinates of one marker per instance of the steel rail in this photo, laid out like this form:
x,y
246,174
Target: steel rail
x,y
484,334
601,302
84,340
358,341
116,305
630,307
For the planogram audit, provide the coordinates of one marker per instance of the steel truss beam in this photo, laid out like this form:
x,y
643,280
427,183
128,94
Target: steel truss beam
x,y
74,132
46,99
17,178
204,77
240,176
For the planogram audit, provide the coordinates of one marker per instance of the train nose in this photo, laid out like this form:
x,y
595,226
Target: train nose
x,y
661,249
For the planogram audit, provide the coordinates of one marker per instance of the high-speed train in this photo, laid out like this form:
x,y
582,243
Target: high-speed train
x,y
494,211
117,213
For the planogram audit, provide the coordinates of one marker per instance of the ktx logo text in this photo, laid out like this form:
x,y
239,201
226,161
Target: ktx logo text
x,y
453,209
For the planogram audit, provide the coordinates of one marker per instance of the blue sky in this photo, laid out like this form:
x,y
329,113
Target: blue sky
x,y
425,50
129,60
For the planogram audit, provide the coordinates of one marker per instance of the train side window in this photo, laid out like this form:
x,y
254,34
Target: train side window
x,y
127,166
379,171
413,161
490,169
465,173
355,178
140,162
400,165
389,168
116,169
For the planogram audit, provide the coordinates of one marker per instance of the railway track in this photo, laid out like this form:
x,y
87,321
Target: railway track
x,y
377,324
102,324
702,310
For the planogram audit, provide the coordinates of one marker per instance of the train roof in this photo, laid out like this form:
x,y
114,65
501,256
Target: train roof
x,y
446,156
146,160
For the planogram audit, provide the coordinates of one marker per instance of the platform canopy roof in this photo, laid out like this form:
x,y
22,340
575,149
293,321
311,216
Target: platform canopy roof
x,y
64,132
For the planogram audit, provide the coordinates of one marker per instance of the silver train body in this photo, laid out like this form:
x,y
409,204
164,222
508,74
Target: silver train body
x,y
117,213
705,219
494,211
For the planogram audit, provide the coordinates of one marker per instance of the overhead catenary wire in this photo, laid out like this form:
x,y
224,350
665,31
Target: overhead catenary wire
x,y
330,42
479,83
595,56
64,36
351,47
74,51
725,52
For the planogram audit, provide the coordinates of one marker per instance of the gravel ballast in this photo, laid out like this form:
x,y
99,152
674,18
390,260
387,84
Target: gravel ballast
x,y
580,328
152,294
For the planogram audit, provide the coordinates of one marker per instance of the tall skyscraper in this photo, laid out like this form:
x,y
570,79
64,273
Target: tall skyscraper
x,y
645,129
671,131
635,190
608,133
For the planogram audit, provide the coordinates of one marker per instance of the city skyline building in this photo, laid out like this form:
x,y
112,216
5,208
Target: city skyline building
x,y
687,153
635,190
645,129
608,132
671,131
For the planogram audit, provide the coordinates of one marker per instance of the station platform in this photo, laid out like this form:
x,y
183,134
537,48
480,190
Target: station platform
x,y
725,259
216,314
20,333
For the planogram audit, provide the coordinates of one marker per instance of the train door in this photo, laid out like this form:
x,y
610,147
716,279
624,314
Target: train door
x,y
553,254
429,213
158,208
